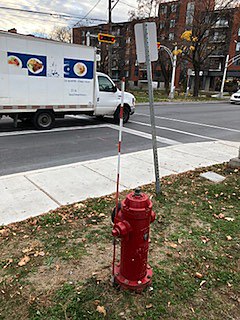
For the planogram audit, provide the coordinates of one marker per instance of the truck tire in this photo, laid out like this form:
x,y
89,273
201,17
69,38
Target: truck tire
x,y
126,114
43,120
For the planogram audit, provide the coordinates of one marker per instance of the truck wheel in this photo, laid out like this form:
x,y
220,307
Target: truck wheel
x,y
43,120
126,115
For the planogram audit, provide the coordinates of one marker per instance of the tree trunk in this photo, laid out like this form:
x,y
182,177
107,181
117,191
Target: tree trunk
x,y
196,81
165,74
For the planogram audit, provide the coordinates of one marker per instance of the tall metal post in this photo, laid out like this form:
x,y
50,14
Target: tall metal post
x,y
172,89
224,76
88,38
110,32
151,102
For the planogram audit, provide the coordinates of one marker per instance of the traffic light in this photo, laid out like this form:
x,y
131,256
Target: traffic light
x,y
158,45
108,38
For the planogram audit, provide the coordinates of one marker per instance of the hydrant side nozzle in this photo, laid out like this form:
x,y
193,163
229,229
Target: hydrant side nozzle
x,y
121,229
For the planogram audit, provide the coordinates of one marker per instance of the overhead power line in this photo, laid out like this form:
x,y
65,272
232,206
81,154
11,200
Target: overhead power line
x,y
33,18
89,12
129,5
54,14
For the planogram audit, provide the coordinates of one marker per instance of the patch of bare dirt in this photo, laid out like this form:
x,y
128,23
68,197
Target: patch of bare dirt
x,y
96,262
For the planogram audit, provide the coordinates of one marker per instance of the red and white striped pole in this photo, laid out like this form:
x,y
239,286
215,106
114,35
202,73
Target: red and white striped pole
x,y
121,111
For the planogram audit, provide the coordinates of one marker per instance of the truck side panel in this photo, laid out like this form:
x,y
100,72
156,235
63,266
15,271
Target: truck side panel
x,y
37,73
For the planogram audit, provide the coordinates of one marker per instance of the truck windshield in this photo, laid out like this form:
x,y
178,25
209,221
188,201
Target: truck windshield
x,y
105,84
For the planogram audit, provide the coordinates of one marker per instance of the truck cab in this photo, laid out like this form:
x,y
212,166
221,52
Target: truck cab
x,y
109,99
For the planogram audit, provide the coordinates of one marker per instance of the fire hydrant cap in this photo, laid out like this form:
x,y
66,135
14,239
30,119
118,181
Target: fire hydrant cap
x,y
137,204
137,192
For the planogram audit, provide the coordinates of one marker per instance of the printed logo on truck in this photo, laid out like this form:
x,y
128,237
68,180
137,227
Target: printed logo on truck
x,y
36,65
78,69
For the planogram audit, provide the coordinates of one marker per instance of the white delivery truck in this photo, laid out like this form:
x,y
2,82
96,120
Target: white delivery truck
x,y
41,80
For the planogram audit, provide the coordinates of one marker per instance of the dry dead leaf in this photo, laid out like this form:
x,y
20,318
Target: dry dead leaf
x,y
229,238
171,244
28,251
202,283
205,239
79,205
229,219
149,306
8,263
102,310
24,261
198,275
180,241
57,267
4,233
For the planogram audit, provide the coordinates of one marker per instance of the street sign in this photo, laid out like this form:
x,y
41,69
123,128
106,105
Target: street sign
x,y
140,41
107,38
147,51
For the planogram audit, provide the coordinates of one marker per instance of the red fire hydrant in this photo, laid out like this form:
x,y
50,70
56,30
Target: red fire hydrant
x,y
132,225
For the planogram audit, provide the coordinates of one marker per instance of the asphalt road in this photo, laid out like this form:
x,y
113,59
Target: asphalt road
x,y
80,138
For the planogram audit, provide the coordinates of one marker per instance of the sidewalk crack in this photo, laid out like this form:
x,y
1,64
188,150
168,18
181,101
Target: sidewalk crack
x,y
41,189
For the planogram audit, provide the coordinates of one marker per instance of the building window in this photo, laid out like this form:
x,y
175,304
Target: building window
x,y
126,73
239,32
237,63
190,13
207,18
173,7
163,9
171,36
172,23
221,22
218,36
162,25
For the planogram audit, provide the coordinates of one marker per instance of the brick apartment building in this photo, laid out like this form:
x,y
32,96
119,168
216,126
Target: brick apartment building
x,y
173,19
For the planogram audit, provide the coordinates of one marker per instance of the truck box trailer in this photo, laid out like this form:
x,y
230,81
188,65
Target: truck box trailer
x,y
41,80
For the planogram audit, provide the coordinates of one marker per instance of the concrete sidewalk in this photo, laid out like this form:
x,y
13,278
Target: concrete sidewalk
x,y
34,192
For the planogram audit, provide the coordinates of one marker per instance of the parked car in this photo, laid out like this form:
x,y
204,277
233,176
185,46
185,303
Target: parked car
x,y
235,97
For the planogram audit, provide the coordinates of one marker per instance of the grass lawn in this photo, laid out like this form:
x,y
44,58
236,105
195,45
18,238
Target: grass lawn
x,y
58,265
160,96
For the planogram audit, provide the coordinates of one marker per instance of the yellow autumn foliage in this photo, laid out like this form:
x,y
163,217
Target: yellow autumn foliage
x,y
192,48
176,52
186,35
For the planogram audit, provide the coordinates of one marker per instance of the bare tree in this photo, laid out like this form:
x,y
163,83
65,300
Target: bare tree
x,y
146,9
198,42
63,34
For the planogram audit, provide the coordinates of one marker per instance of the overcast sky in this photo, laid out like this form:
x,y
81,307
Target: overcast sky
x,y
30,23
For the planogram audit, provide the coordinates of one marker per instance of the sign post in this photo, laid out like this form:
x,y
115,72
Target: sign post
x,y
147,51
